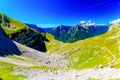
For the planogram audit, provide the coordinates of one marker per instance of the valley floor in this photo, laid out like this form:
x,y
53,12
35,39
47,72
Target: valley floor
x,y
89,74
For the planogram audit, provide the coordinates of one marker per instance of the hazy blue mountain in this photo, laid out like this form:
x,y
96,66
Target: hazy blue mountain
x,y
40,29
49,29
35,27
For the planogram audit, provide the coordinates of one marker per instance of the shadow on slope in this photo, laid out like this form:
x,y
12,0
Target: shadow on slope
x,y
31,39
7,47
22,34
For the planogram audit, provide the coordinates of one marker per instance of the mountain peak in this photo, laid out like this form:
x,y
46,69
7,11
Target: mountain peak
x,y
78,32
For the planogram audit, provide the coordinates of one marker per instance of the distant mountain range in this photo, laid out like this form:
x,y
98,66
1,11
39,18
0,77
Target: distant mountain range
x,y
95,52
73,33
40,29
35,27
78,32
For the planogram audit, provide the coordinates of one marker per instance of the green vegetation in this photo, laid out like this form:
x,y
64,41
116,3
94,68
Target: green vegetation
x,y
21,58
43,67
6,72
36,66
115,79
93,79
99,51
22,34
89,53
11,26
102,50
69,34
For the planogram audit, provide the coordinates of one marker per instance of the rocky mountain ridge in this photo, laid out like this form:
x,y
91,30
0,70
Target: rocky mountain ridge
x,y
78,32
22,34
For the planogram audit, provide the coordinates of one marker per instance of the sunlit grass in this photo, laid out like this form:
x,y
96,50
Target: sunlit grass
x,y
91,52
7,71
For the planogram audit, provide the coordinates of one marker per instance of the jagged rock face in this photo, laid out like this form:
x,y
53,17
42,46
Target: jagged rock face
x,y
60,32
31,39
78,32
7,47
22,34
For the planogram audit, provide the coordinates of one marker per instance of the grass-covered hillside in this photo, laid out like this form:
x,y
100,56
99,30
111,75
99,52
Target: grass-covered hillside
x,y
10,25
22,34
7,70
99,51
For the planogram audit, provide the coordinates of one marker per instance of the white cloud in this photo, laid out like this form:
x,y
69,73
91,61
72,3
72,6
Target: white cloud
x,y
115,21
87,23
82,22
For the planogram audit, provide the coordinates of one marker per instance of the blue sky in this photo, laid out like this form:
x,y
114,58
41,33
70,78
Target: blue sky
x,y
50,13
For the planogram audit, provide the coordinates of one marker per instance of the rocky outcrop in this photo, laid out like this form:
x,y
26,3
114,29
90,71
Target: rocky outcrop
x,y
31,39
22,34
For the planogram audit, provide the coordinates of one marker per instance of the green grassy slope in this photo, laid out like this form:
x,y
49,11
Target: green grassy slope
x,y
92,52
11,26
89,53
23,34
6,72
